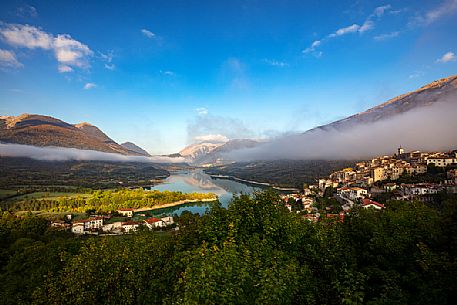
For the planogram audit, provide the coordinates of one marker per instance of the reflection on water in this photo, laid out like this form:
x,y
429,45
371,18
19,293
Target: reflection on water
x,y
199,182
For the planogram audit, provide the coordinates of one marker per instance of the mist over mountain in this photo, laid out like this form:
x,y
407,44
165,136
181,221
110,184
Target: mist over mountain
x,y
419,120
444,89
51,153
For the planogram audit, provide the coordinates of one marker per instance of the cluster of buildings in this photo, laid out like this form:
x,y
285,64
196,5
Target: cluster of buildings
x,y
104,224
381,174
306,204
367,180
392,168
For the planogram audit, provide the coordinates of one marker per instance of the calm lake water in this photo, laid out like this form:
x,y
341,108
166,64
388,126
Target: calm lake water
x,y
199,182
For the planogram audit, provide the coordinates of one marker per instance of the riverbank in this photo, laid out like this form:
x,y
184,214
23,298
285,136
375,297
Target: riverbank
x,y
174,204
288,189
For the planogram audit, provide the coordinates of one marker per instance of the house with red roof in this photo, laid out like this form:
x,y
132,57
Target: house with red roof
x,y
154,223
368,203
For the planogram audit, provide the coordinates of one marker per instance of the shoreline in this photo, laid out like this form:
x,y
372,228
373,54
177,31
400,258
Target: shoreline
x,y
254,182
173,204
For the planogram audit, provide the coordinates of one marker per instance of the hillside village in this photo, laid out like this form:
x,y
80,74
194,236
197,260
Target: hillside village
x,y
403,176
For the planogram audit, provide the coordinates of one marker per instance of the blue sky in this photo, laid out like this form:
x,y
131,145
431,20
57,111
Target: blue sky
x,y
164,73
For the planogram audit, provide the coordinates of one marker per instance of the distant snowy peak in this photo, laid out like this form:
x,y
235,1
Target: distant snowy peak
x,y
195,151
212,153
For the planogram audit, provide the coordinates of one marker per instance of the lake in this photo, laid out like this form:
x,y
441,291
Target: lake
x,y
199,182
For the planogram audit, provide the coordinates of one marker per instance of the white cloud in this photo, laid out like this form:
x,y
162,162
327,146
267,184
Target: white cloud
x,y
168,73
68,52
26,11
212,138
346,30
315,44
449,56
71,52
110,66
26,36
276,63
8,59
89,86
108,58
446,8
380,10
210,124
386,36
202,111
148,33
64,69
51,153
367,25
313,47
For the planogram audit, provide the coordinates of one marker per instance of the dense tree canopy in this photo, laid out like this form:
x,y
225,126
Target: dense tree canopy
x,y
102,201
253,252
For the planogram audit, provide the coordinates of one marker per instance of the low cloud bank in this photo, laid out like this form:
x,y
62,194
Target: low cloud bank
x,y
429,128
51,153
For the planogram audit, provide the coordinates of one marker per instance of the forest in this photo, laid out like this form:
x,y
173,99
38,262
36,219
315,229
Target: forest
x,y
253,252
35,174
281,173
103,201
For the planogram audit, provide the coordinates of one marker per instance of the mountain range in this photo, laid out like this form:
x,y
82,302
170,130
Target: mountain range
x,y
40,130
425,96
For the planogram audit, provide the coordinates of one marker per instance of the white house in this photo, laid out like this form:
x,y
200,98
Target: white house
x,y
155,223
368,203
128,212
129,226
77,228
168,220
357,192
115,226
92,223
